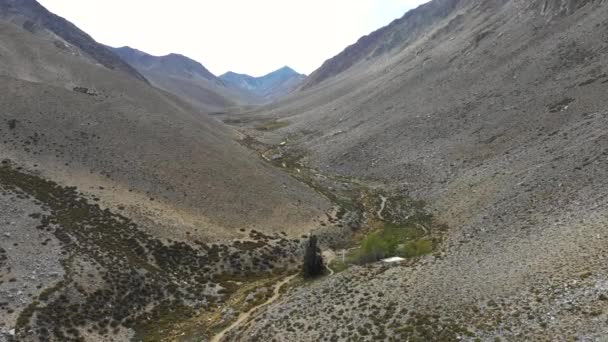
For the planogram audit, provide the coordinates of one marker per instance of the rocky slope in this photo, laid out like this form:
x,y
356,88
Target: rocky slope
x,y
269,87
113,192
398,34
183,77
494,113
34,17
480,124
110,128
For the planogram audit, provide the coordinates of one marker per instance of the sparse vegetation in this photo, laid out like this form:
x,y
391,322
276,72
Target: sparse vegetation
x,y
272,125
143,279
427,327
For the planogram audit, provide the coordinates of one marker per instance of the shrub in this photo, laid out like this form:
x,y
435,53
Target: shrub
x,y
416,248
394,240
374,248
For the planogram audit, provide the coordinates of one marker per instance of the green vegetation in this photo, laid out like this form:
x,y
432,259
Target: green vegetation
x,y
394,240
416,248
406,230
272,125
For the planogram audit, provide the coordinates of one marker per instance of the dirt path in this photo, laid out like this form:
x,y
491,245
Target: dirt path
x,y
245,316
383,199
329,255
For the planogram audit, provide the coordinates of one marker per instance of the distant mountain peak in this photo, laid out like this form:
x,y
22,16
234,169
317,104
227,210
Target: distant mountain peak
x,y
287,68
282,70
268,87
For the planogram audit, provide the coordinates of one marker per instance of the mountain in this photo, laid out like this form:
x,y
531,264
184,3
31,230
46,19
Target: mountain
x,y
183,77
398,34
191,81
452,168
491,115
269,87
32,17
120,201
172,64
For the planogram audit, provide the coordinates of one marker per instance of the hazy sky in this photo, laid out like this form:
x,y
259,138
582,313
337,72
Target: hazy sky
x,y
247,36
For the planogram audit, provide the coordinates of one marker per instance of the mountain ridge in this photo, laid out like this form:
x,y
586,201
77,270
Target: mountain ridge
x,y
175,62
30,13
271,86
383,40
184,77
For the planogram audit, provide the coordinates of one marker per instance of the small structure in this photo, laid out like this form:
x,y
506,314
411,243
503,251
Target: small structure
x,y
393,259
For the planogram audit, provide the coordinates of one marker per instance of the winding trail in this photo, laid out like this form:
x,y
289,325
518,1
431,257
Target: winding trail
x,y
243,317
382,207
328,256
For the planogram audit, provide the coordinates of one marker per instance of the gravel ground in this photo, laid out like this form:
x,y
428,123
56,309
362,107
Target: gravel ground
x,y
33,257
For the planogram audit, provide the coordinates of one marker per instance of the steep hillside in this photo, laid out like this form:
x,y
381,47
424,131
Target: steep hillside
x,y
494,114
183,77
468,137
390,38
105,125
114,195
269,87
33,17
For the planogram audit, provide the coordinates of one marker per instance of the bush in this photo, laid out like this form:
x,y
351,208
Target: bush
x,y
394,240
374,248
416,248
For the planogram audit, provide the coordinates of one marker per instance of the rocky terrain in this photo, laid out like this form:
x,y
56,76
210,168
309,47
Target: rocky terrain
x,y
109,187
494,114
136,145
35,18
96,275
468,137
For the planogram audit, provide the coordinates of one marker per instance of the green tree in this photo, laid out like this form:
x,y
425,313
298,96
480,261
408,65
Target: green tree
x,y
375,248
313,261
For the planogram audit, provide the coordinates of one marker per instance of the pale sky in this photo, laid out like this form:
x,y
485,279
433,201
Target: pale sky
x,y
245,36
